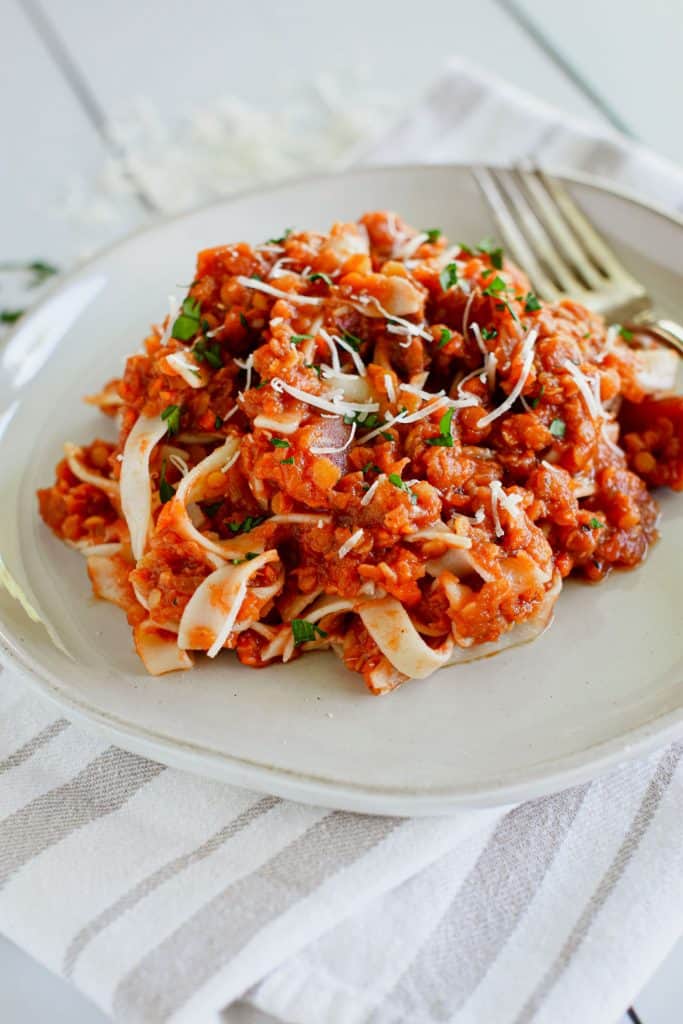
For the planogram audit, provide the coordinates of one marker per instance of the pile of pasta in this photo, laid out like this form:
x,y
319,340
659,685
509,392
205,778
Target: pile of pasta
x,y
371,441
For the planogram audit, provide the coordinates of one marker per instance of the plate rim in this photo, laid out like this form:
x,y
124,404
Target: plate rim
x,y
571,769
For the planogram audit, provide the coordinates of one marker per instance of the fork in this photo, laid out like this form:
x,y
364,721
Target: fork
x,y
563,255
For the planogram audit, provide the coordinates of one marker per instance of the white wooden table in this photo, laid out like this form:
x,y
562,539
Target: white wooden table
x,y
68,67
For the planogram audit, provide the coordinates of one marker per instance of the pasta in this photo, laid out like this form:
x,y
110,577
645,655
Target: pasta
x,y
370,441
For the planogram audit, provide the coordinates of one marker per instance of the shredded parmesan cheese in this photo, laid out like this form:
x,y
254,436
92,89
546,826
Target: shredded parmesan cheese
x,y
528,349
267,289
370,493
351,543
389,386
336,405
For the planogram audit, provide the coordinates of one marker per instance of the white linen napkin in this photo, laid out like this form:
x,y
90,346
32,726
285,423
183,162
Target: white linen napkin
x,y
163,896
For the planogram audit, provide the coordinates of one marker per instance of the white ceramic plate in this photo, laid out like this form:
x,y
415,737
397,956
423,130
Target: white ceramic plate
x,y
603,684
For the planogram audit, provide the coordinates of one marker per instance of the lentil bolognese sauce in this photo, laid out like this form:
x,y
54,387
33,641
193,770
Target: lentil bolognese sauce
x,y
372,441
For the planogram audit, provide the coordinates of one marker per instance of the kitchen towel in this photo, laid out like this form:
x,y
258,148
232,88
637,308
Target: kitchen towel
x,y
165,897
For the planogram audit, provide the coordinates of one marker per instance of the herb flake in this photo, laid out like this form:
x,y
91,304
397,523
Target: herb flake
x,y
171,415
187,324
304,631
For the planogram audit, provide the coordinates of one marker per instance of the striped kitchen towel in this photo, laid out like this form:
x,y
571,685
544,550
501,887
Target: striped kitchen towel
x,y
165,897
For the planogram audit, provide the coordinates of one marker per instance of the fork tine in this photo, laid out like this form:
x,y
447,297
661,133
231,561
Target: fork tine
x,y
537,234
512,237
586,234
557,228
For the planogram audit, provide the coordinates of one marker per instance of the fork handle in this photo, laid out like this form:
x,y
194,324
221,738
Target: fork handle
x,y
667,331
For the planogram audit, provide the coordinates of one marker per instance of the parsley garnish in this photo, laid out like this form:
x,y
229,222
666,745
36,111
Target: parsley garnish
x,y
172,416
303,631
362,419
558,428
208,352
495,287
387,435
493,250
218,422
244,321
531,303
10,316
352,340
210,510
595,524
465,248
38,269
166,491
283,237
371,467
247,558
488,333
297,338
534,401
446,336
187,324
626,334
448,276
445,438
433,234
246,525
279,442
395,479
321,277
314,366
287,462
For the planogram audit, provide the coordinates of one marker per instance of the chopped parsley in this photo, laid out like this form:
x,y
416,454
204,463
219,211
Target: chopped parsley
x,y
283,237
433,234
166,490
304,631
39,270
279,442
297,338
488,333
352,340
246,525
362,419
218,422
531,303
371,467
208,352
495,287
537,398
445,438
466,249
321,277
448,276
171,415
446,336
493,250
187,324
558,428
210,510
287,462
401,485
387,435
596,524
10,316
247,558
315,367
244,321
626,334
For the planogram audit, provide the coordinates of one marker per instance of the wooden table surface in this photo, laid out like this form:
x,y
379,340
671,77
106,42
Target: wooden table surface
x,y
69,68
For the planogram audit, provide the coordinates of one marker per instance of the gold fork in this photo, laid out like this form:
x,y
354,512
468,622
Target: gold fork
x,y
563,255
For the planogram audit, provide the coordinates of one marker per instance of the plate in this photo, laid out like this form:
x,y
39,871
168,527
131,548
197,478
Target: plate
x,y
603,684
